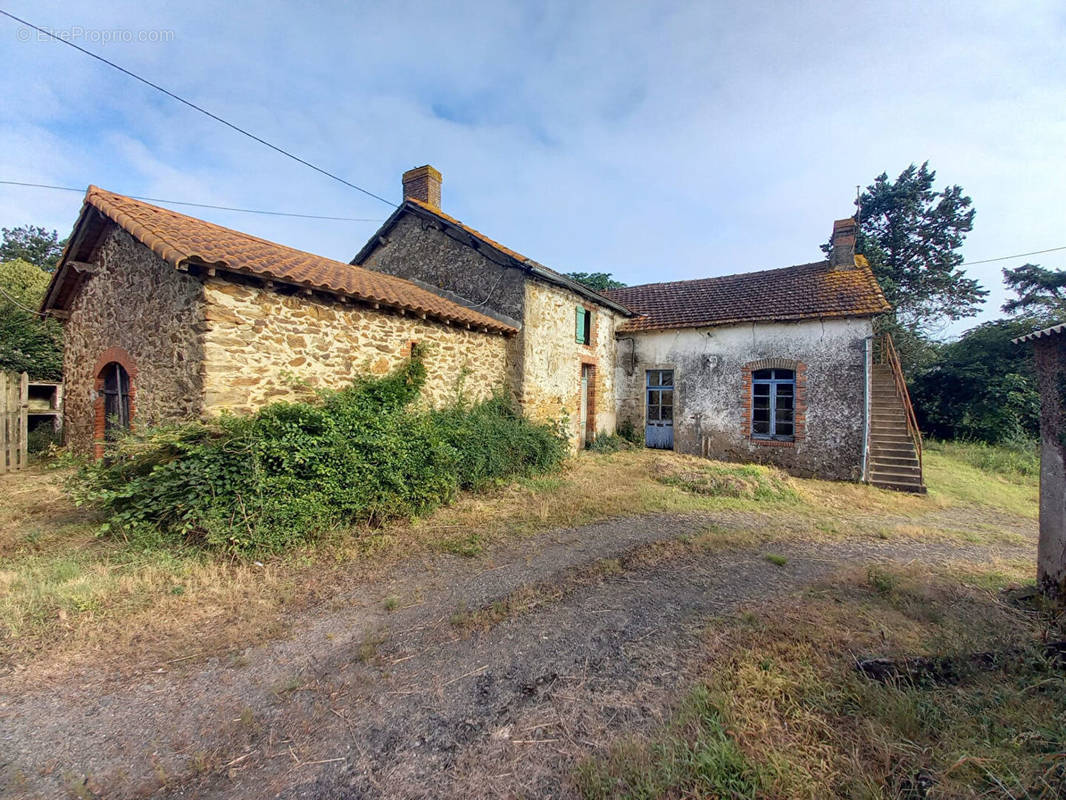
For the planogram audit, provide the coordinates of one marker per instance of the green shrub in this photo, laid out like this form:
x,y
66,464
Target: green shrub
x,y
628,431
280,477
609,443
42,438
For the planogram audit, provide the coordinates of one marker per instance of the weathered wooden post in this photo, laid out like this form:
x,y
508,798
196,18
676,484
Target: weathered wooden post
x,y
14,402
1049,346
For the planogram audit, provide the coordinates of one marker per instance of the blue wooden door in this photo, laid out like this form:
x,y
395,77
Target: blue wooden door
x,y
659,419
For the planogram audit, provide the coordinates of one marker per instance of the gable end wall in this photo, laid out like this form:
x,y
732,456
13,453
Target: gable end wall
x,y
139,305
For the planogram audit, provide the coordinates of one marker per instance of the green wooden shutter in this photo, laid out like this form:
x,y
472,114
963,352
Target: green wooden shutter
x,y
579,326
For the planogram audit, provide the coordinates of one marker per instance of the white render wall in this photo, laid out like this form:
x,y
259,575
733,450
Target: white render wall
x,y
709,407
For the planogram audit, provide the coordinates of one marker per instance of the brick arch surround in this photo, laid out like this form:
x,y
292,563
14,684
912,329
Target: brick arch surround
x,y
110,356
800,415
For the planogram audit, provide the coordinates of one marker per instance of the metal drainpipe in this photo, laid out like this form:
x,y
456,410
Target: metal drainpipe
x,y
868,348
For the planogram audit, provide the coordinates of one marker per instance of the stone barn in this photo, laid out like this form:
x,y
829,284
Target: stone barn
x,y
169,317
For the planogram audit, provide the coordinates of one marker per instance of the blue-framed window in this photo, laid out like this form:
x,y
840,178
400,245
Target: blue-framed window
x,y
773,404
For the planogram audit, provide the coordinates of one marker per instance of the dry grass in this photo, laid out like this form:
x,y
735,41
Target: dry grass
x,y
783,713
68,596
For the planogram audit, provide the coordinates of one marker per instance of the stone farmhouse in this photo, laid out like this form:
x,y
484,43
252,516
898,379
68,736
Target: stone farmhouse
x,y
169,317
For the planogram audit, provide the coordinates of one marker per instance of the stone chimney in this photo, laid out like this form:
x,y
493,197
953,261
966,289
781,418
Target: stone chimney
x,y
423,184
842,245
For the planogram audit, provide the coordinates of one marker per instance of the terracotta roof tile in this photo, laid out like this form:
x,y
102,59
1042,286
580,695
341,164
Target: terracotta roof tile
x,y
183,240
801,292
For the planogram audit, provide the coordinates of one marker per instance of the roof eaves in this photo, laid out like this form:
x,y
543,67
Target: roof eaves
x,y
372,242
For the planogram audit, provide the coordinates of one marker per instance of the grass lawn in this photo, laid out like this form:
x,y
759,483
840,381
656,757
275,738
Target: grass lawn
x,y
68,595
783,712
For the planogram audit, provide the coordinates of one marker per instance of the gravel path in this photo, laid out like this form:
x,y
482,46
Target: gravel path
x,y
364,702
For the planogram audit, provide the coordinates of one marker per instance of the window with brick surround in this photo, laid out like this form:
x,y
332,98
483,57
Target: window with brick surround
x,y
773,404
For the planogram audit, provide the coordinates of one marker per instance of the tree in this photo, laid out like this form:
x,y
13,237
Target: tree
x,y
596,280
27,343
1041,292
33,244
981,386
911,235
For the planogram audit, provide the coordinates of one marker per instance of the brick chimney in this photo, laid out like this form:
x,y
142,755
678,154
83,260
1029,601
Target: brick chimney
x,y
842,245
422,183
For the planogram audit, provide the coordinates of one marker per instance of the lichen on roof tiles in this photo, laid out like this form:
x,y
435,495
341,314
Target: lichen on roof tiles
x,y
804,291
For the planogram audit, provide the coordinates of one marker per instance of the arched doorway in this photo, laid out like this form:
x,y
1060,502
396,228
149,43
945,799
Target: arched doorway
x,y
115,391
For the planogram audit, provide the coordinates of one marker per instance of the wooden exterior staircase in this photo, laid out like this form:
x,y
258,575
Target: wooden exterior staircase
x,y
895,451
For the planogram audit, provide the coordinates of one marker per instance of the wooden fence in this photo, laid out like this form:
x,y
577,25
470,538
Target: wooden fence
x,y
14,408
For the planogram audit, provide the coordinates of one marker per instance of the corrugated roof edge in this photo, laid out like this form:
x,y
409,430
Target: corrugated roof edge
x,y
516,258
1041,334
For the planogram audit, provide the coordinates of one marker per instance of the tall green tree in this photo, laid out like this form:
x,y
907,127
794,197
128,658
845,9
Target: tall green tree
x,y
27,343
596,280
911,234
33,244
1040,292
981,386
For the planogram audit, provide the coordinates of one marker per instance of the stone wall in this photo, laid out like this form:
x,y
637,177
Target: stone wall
x,y
261,345
420,250
136,304
712,400
552,360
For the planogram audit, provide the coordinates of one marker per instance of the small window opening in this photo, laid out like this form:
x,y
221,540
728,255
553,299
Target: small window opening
x,y
773,404
583,325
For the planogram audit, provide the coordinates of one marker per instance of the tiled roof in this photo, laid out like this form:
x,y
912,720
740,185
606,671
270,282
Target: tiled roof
x,y
801,292
523,261
182,240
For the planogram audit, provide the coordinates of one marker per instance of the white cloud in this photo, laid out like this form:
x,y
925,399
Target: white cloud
x,y
653,141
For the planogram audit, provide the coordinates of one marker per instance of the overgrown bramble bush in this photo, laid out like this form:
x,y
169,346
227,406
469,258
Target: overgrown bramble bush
x,y
280,477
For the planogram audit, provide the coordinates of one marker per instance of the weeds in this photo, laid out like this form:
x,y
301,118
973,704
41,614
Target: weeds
x,y
790,716
776,560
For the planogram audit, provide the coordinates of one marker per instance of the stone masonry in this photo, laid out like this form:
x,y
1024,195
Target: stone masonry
x,y
156,334
552,360
261,346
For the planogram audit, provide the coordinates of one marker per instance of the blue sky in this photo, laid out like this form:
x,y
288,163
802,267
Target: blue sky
x,y
653,141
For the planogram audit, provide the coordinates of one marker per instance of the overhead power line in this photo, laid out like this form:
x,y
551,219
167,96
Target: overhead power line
x,y
11,299
195,107
1016,255
198,205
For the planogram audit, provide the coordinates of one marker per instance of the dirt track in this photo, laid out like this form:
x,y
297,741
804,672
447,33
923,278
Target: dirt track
x,y
432,699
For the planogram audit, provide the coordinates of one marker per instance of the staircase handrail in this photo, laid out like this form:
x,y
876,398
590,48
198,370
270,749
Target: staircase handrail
x,y
890,357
